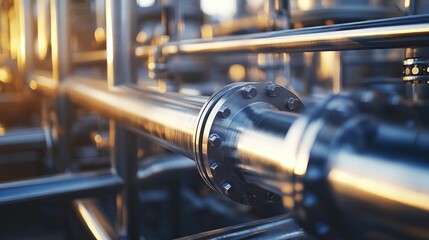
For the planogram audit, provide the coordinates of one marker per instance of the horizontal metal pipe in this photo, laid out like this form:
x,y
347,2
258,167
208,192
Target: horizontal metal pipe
x,y
24,139
83,58
43,82
279,227
378,191
162,165
94,219
400,32
165,118
66,186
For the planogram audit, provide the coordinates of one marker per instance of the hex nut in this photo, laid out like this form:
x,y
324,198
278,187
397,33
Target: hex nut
x,y
248,198
292,103
214,141
249,91
273,90
224,112
227,188
215,168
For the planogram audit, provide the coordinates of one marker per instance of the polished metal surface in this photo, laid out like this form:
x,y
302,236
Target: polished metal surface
x,y
66,186
350,166
25,139
326,38
95,220
280,227
162,165
167,121
251,134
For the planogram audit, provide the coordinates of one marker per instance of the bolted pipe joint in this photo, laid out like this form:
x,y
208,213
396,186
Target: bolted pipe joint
x,y
224,120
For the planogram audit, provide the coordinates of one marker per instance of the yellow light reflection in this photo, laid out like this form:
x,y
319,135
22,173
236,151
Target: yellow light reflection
x,y
43,28
14,34
2,130
142,37
162,86
4,76
90,221
381,189
237,72
207,31
33,85
98,138
407,3
304,5
100,34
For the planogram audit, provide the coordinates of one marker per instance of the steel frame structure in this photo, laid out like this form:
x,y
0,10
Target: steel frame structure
x,y
211,130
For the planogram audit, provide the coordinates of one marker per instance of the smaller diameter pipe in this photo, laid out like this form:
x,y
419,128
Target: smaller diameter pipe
x,y
328,38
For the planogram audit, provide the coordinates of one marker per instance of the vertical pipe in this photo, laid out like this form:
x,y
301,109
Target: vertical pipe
x,y
60,39
121,69
25,51
61,68
121,33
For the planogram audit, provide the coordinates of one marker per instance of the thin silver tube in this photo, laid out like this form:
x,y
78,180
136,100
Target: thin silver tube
x,y
367,35
171,122
94,219
65,186
279,227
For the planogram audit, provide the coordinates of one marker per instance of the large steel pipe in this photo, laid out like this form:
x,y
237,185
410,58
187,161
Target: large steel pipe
x,y
227,127
346,171
249,143
165,118
396,33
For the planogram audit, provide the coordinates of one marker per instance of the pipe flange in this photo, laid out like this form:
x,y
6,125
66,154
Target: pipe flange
x,y
313,139
214,142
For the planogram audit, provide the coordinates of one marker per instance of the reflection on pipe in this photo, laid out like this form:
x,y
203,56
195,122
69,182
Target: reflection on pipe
x,y
97,223
280,227
166,121
366,35
162,165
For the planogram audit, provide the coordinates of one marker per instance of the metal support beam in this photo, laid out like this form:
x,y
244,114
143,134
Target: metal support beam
x,y
120,28
24,139
61,68
66,186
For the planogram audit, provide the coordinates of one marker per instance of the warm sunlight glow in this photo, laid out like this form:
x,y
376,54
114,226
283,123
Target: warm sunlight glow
x,y
100,34
237,72
223,9
4,76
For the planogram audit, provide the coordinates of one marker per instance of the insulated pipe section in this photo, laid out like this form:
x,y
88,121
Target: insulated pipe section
x,y
390,33
167,119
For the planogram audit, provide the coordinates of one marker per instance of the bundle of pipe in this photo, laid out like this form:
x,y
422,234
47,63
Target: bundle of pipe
x,y
249,147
